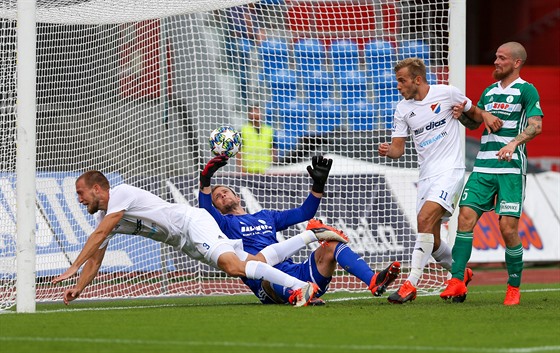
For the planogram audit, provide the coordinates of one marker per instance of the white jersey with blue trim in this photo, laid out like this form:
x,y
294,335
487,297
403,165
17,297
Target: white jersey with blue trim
x,y
436,134
146,215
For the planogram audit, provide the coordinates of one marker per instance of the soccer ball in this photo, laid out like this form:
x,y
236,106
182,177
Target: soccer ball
x,y
225,140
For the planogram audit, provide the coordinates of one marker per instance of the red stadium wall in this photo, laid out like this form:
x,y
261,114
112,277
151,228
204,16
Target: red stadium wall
x,y
547,81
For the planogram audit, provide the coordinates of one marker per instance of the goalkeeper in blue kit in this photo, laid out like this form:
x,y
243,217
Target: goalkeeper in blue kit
x,y
258,230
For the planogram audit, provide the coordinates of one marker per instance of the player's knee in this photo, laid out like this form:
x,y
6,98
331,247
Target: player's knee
x,y
467,219
508,228
326,253
232,266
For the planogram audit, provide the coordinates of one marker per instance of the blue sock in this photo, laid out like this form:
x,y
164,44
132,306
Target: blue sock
x,y
353,263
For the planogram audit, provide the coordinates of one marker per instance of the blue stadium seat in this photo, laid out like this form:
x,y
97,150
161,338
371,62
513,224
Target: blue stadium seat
x,y
379,55
431,77
318,86
361,115
385,86
352,85
414,48
293,118
328,115
384,111
283,85
241,60
310,55
273,55
344,55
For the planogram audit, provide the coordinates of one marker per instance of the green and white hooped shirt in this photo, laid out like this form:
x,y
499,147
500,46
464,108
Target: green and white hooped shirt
x,y
514,104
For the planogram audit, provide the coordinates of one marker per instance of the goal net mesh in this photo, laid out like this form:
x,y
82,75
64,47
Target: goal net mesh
x,y
134,88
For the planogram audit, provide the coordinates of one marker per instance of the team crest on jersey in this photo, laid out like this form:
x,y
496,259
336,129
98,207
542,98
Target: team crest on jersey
x,y
509,99
436,108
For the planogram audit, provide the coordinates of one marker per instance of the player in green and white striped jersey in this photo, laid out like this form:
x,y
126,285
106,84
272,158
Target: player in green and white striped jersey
x,y
498,178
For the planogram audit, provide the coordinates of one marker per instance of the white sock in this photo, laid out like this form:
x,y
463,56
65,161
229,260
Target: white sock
x,y
443,255
260,270
276,253
422,251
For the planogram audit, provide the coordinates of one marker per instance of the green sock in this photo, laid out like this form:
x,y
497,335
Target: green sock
x,y
461,254
514,264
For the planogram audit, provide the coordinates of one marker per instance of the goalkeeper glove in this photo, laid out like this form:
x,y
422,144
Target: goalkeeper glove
x,y
211,167
319,172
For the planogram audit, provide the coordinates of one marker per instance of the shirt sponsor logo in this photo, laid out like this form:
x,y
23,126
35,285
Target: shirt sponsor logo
x,y
432,125
250,230
502,106
509,206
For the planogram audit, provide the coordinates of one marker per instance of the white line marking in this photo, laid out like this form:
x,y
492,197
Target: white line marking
x,y
261,345
366,296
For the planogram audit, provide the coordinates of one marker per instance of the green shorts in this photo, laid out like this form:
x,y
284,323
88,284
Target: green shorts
x,y
503,192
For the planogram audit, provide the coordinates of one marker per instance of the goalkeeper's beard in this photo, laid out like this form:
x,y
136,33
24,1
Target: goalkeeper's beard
x,y
229,208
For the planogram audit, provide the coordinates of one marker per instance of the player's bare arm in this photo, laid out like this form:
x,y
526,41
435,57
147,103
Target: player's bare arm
x,y
393,150
475,116
533,129
92,244
468,122
492,122
86,277
464,119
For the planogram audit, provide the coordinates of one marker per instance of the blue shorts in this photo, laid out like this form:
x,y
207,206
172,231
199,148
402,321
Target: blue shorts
x,y
306,271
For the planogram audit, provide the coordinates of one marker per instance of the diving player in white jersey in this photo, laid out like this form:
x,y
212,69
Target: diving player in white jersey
x,y
126,209
426,113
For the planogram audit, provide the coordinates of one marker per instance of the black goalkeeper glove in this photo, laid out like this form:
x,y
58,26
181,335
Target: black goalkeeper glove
x,y
211,167
319,172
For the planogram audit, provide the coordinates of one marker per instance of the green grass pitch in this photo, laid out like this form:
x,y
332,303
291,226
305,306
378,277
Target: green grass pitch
x,y
350,322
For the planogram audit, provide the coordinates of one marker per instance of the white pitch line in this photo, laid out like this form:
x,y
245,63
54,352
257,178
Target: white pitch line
x,y
365,297
283,345
434,294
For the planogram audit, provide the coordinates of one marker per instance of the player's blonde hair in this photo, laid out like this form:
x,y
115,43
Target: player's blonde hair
x,y
416,67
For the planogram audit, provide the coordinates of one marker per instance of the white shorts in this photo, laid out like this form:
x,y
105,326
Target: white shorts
x,y
444,189
205,241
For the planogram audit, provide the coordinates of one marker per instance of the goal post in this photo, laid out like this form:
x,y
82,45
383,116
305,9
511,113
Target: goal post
x,y
25,159
134,88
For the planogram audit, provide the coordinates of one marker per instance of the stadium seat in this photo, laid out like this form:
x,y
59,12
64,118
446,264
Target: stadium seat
x,y
310,55
379,55
344,55
273,55
293,119
385,85
328,115
431,77
241,60
414,48
352,85
318,86
283,85
384,111
361,115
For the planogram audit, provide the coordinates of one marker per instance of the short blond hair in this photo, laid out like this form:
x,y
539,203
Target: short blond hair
x,y
416,67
